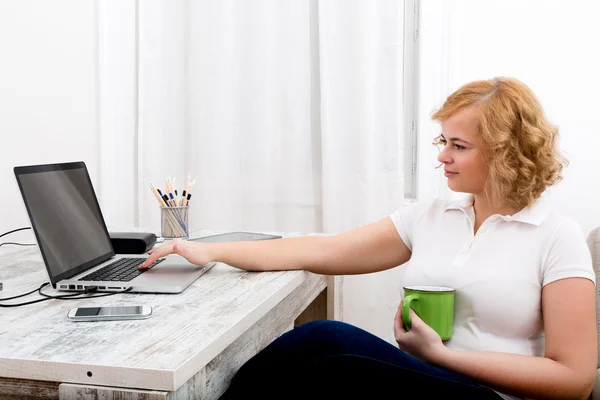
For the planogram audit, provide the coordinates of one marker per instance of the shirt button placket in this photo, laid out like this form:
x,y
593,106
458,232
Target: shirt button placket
x,y
460,259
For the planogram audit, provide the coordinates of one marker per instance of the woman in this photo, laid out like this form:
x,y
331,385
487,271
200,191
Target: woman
x,y
525,296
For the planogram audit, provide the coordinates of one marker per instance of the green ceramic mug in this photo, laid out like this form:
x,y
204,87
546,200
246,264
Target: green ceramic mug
x,y
433,304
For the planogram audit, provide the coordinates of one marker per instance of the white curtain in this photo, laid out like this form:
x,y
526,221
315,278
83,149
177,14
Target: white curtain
x,y
361,47
287,114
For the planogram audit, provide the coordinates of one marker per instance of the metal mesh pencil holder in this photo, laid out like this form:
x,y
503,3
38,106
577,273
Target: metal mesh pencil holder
x,y
174,222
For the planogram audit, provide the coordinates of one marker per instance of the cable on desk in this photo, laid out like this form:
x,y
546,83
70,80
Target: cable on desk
x,y
15,230
72,296
18,244
24,294
14,243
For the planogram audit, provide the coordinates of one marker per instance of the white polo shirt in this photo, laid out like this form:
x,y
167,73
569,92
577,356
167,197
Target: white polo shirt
x,y
498,273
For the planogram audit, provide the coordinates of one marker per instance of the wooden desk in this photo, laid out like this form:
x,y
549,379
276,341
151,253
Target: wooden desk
x,y
189,349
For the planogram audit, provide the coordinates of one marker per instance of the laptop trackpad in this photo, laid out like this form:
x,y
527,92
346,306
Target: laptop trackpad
x,y
174,269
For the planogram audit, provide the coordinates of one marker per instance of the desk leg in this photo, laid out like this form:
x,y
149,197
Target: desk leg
x,y
334,298
315,310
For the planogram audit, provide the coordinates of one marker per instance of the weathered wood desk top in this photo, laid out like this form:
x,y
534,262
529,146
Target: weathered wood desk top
x,y
202,334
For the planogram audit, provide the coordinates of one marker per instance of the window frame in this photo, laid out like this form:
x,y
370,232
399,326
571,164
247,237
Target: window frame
x,y
410,96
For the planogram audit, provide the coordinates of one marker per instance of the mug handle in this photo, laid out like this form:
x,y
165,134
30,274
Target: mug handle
x,y
406,309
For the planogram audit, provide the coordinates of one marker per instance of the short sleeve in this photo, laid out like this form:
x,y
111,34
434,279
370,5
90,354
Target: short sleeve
x,y
404,219
568,255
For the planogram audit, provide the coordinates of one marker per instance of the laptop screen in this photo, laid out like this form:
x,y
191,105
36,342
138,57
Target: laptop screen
x,y
65,217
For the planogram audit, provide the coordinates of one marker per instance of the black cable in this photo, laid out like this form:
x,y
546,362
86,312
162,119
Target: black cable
x,y
15,230
14,243
18,244
34,301
24,294
60,297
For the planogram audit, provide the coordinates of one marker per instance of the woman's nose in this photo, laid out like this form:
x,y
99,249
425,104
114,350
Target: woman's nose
x,y
444,157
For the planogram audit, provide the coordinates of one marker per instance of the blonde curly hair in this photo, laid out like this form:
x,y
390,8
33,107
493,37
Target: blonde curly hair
x,y
521,145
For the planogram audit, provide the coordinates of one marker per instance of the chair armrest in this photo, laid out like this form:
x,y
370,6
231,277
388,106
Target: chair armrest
x,y
596,391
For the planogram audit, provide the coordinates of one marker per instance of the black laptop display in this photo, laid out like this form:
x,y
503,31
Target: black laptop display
x,y
65,217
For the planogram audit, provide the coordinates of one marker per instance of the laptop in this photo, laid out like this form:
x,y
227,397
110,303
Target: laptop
x,y
74,242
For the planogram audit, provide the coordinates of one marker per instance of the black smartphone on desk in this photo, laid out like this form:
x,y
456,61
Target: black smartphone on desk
x,y
235,237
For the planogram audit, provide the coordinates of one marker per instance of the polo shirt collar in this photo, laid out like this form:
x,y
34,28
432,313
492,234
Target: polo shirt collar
x,y
534,214
463,203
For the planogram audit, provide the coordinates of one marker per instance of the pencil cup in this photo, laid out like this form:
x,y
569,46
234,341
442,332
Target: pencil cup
x,y
174,222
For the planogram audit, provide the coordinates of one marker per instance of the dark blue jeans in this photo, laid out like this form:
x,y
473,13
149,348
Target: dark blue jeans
x,y
334,360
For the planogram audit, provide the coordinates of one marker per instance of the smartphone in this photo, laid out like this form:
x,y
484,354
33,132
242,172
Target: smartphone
x,y
235,237
109,313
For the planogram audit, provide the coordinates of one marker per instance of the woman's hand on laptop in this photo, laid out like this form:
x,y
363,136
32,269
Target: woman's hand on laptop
x,y
193,252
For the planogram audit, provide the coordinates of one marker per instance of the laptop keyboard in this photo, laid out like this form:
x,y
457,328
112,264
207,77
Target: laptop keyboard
x,y
121,270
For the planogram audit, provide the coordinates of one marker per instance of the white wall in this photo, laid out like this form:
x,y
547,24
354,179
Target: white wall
x,y
48,92
553,47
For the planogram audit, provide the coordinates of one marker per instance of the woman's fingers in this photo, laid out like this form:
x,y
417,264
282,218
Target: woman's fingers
x,y
157,253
